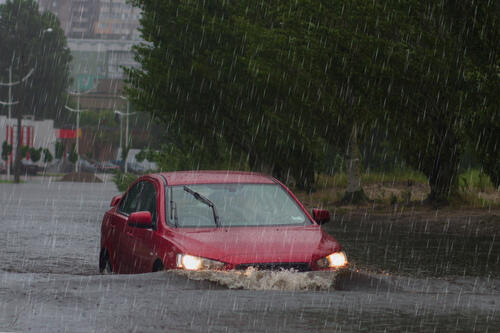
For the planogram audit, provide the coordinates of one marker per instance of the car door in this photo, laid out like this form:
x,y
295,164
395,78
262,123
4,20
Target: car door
x,y
129,204
140,239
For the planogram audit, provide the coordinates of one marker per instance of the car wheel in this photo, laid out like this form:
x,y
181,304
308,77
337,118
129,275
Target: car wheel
x,y
105,267
158,266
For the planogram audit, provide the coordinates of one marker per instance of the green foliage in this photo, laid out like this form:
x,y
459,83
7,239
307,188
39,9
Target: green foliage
x,y
123,180
73,156
24,150
59,149
475,180
35,154
124,153
34,40
172,158
141,156
405,176
47,156
6,150
274,82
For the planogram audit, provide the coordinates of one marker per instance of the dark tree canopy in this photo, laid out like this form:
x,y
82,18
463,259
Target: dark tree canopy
x,y
34,40
278,81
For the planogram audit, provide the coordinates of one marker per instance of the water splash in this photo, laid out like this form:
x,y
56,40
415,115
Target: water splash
x,y
284,280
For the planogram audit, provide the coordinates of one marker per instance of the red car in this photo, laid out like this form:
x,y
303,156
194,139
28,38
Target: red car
x,y
221,220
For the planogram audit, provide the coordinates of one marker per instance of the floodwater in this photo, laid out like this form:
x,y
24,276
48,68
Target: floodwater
x,y
405,278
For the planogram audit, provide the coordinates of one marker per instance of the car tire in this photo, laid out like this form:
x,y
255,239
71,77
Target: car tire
x,y
105,266
158,266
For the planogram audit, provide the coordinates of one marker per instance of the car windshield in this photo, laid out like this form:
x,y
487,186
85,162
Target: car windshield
x,y
236,205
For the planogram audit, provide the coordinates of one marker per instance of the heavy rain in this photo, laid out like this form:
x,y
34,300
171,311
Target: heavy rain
x,y
250,166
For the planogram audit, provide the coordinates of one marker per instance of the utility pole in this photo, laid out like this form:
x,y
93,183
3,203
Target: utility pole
x,y
78,111
9,103
127,140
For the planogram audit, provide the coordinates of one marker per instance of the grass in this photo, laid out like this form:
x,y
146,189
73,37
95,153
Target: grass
x,y
3,181
399,176
475,180
402,188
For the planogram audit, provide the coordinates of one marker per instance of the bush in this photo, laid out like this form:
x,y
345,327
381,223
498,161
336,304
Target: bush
x,y
6,150
47,156
123,180
35,154
73,156
59,149
475,180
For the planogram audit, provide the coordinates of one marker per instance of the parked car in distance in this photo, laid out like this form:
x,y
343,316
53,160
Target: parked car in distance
x,y
222,220
132,167
107,167
135,168
86,166
28,168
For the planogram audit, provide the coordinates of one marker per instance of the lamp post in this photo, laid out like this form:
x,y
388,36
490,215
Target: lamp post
x,y
127,114
77,93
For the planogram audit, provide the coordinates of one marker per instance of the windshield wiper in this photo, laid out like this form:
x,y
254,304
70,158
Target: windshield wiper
x,y
206,201
173,209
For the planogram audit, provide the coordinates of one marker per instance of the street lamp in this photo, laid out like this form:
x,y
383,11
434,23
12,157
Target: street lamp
x,y
127,141
77,93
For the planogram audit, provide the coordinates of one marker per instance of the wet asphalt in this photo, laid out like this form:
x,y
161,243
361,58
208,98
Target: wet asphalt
x,y
49,248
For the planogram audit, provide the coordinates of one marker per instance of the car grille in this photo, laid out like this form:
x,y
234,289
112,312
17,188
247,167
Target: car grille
x,y
277,266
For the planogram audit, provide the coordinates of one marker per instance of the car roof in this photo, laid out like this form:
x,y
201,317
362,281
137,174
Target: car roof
x,y
215,177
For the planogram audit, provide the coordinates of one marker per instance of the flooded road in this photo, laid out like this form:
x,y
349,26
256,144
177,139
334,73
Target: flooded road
x,y
408,281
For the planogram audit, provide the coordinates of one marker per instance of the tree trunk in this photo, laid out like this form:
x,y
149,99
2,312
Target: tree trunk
x,y
443,177
354,193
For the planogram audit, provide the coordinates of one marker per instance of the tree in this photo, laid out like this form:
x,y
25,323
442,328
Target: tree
x,y
202,84
47,156
73,155
6,151
440,67
59,149
478,25
276,80
35,154
33,41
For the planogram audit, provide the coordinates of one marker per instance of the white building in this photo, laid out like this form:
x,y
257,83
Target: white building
x,y
36,134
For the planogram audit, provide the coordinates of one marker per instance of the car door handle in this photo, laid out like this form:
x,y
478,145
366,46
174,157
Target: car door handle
x,y
130,234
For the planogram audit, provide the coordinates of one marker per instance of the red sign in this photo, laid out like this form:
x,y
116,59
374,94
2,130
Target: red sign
x,y
67,133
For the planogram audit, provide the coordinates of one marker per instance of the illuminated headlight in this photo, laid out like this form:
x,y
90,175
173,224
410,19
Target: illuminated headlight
x,y
193,263
334,260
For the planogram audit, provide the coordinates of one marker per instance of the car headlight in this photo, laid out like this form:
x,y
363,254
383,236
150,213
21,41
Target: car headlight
x,y
193,263
334,260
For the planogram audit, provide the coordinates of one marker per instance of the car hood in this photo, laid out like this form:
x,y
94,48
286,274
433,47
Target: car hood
x,y
239,245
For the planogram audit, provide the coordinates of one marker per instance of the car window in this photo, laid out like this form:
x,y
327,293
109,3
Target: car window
x,y
147,200
130,202
236,205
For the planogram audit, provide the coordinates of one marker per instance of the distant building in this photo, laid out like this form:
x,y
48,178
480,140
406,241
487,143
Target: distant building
x,y
97,68
95,19
117,20
100,34
78,17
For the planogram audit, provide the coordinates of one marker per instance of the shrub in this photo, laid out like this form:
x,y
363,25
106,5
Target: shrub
x,y
35,154
123,180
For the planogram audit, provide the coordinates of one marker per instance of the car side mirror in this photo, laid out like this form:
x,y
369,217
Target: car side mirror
x,y
116,199
321,216
141,220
